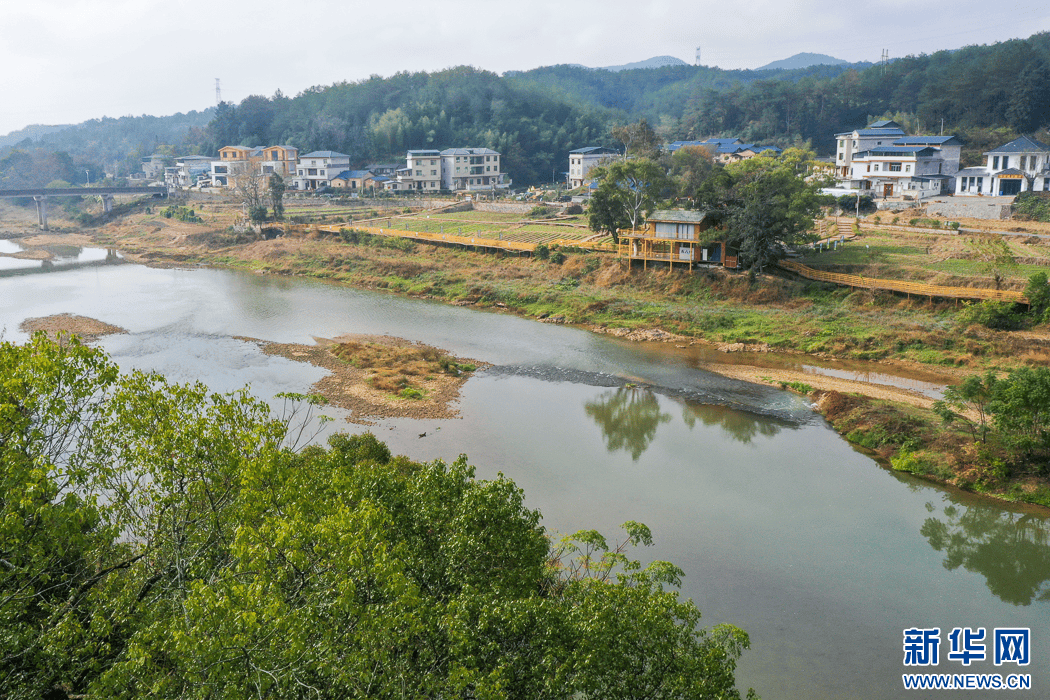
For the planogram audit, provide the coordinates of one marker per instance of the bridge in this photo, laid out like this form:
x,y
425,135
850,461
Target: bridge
x,y
41,194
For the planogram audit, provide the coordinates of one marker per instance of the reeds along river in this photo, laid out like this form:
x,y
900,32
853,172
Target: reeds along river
x,y
823,556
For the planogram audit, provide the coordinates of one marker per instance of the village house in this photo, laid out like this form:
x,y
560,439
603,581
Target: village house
x,y
422,171
471,169
188,171
675,236
583,160
279,160
880,133
316,169
883,159
1023,165
354,181
726,150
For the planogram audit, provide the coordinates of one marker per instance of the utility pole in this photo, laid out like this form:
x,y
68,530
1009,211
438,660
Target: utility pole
x,y
885,60
218,92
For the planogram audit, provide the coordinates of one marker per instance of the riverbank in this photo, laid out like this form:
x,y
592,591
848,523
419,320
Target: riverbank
x,y
713,307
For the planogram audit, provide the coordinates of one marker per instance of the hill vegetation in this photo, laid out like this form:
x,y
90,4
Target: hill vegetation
x,y
984,94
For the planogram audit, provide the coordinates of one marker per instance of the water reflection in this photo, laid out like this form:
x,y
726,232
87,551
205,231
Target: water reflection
x,y
1011,550
628,418
739,425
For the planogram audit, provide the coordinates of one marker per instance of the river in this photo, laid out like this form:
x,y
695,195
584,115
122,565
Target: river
x,y
821,554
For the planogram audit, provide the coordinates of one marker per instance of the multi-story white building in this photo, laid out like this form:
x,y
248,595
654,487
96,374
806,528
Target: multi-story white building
x,y
422,171
316,170
583,160
881,158
1020,166
880,133
471,169
902,171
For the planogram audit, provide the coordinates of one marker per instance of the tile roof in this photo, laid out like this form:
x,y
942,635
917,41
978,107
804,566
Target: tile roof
x,y
880,132
925,140
325,154
679,215
352,175
469,152
1023,144
595,149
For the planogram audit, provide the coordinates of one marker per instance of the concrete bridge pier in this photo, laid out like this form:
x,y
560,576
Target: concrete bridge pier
x,y
41,210
107,204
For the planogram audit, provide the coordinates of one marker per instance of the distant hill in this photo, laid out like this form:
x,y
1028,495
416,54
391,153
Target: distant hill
x,y
803,60
655,62
32,132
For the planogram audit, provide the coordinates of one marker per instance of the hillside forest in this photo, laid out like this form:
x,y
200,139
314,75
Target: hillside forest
x,y
985,95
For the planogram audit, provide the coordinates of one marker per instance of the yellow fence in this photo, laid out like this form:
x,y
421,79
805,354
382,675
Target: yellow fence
x,y
917,288
475,241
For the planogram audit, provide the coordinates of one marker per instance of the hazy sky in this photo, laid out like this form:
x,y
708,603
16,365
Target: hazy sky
x,y
66,61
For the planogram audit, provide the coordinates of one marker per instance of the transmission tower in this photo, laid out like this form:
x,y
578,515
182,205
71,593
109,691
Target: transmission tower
x,y
218,92
885,60
698,55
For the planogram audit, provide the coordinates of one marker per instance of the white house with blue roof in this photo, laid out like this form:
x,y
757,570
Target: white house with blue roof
x,y
878,133
1023,165
583,160
883,159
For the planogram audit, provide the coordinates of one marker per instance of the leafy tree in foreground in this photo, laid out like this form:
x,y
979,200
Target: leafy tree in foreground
x,y
159,540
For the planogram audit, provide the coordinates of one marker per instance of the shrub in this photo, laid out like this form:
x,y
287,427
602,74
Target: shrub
x,y
1031,206
541,251
557,257
998,315
574,209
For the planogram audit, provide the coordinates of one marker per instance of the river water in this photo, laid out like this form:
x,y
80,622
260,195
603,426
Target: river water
x,y
783,529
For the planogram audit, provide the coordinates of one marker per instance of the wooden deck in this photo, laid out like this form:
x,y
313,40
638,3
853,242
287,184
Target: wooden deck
x,y
900,286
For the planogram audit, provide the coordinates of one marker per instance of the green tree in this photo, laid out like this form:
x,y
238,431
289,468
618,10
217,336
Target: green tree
x,y
771,206
161,540
275,188
1020,409
973,396
638,139
690,167
627,192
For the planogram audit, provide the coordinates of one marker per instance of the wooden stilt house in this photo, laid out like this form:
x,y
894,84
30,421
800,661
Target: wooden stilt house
x,y
675,236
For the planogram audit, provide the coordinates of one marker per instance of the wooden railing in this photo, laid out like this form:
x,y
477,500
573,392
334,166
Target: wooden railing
x,y
475,241
917,288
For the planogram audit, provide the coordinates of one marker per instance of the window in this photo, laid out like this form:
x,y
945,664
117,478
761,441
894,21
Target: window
x,y
311,171
995,162
842,143
907,168
980,184
433,172
841,156
895,167
869,167
876,167
1006,162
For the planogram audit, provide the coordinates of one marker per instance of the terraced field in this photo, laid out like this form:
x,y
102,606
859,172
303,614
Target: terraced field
x,y
960,259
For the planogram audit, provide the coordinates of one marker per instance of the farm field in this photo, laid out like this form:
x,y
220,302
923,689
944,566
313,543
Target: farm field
x,y
968,260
